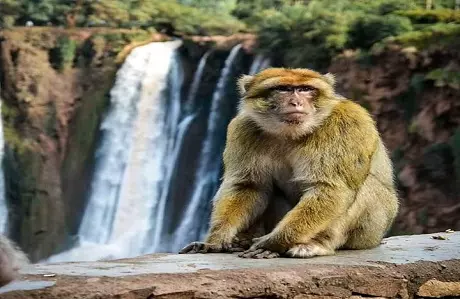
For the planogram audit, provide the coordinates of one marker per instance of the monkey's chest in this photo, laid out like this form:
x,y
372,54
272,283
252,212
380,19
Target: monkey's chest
x,y
285,183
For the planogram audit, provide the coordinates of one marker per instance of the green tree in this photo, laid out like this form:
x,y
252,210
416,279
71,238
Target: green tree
x,y
301,36
10,10
40,12
369,29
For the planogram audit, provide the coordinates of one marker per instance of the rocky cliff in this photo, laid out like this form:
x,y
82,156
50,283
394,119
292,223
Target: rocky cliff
x,y
414,97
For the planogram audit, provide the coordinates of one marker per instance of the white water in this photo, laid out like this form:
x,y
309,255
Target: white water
x,y
207,174
3,208
260,62
191,101
170,154
125,201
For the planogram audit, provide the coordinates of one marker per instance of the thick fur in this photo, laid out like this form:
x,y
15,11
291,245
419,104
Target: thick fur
x,y
11,260
332,173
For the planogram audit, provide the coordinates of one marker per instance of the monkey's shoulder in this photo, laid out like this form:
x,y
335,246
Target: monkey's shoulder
x,y
349,131
349,116
242,129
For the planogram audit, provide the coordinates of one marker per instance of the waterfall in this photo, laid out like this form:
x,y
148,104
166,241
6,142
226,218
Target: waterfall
x,y
209,167
191,100
160,240
260,62
170,154
126,201
3,208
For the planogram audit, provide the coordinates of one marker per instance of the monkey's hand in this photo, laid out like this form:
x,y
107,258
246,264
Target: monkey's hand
x,y
202,247
264,247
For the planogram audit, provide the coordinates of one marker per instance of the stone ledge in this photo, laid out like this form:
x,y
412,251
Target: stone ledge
x,y
402,267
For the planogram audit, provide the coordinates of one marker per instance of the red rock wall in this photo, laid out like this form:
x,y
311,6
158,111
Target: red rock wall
x,y
418,122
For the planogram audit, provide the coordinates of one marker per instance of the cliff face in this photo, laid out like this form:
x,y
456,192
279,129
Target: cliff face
x,y
414,97
55,86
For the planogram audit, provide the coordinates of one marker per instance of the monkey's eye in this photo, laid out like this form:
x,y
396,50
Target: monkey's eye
x,y
284,89
305,88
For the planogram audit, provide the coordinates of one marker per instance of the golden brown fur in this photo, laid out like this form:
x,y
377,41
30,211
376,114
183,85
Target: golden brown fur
x,y
305,187
11,260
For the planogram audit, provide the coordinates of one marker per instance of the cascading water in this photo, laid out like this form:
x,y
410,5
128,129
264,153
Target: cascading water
x,y
144,136
125,201
208,172
3,208
161,241
260,62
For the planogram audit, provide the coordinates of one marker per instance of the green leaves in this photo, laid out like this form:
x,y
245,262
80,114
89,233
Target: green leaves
x,y
369,29
445,77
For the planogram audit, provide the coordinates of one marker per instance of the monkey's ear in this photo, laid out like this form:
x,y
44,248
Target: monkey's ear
x,y
244,82
329,78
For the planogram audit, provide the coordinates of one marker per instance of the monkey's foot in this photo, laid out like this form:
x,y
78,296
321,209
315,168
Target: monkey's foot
x,y
259,254
201,247
309,250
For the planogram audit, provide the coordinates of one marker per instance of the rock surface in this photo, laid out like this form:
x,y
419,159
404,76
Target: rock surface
x,y
418,119
401,267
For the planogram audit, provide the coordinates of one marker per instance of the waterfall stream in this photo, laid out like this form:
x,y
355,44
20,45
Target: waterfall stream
x,y
130,162
207,174
144,134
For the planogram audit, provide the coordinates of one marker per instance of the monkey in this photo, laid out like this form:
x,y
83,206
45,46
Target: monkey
x,y
306,172
11,260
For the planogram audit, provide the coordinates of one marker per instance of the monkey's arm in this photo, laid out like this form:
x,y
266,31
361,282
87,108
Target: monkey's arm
x,y
314,212
241,198
235,208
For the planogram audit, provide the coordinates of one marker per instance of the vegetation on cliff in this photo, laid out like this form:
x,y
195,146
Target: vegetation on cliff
x,y
299,33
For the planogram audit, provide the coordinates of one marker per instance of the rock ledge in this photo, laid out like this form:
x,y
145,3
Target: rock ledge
x,y
417,266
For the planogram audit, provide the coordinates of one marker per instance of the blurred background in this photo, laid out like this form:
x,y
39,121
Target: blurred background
x,y
114,112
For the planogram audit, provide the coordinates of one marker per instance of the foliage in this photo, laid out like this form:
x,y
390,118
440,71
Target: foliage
x,y
63,54
438,35
445,77
295,32
369,29
169,16
302,37
10,10
424,16
212,5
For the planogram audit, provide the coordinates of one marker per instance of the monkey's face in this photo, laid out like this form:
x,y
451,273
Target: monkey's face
x,y
287,102
292,105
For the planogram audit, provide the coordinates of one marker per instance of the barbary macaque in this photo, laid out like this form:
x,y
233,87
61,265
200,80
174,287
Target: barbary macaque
x,y
11,260
305,172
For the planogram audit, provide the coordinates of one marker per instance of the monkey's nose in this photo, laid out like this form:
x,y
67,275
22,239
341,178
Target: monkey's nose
x,y
295,103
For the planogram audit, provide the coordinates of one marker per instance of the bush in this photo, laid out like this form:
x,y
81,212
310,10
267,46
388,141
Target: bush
x,y
391,6
301,37
439,35
445,77
62,56
369,29
424,16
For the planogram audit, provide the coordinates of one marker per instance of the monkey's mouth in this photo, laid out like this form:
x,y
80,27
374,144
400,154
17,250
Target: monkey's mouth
x,y
294,117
